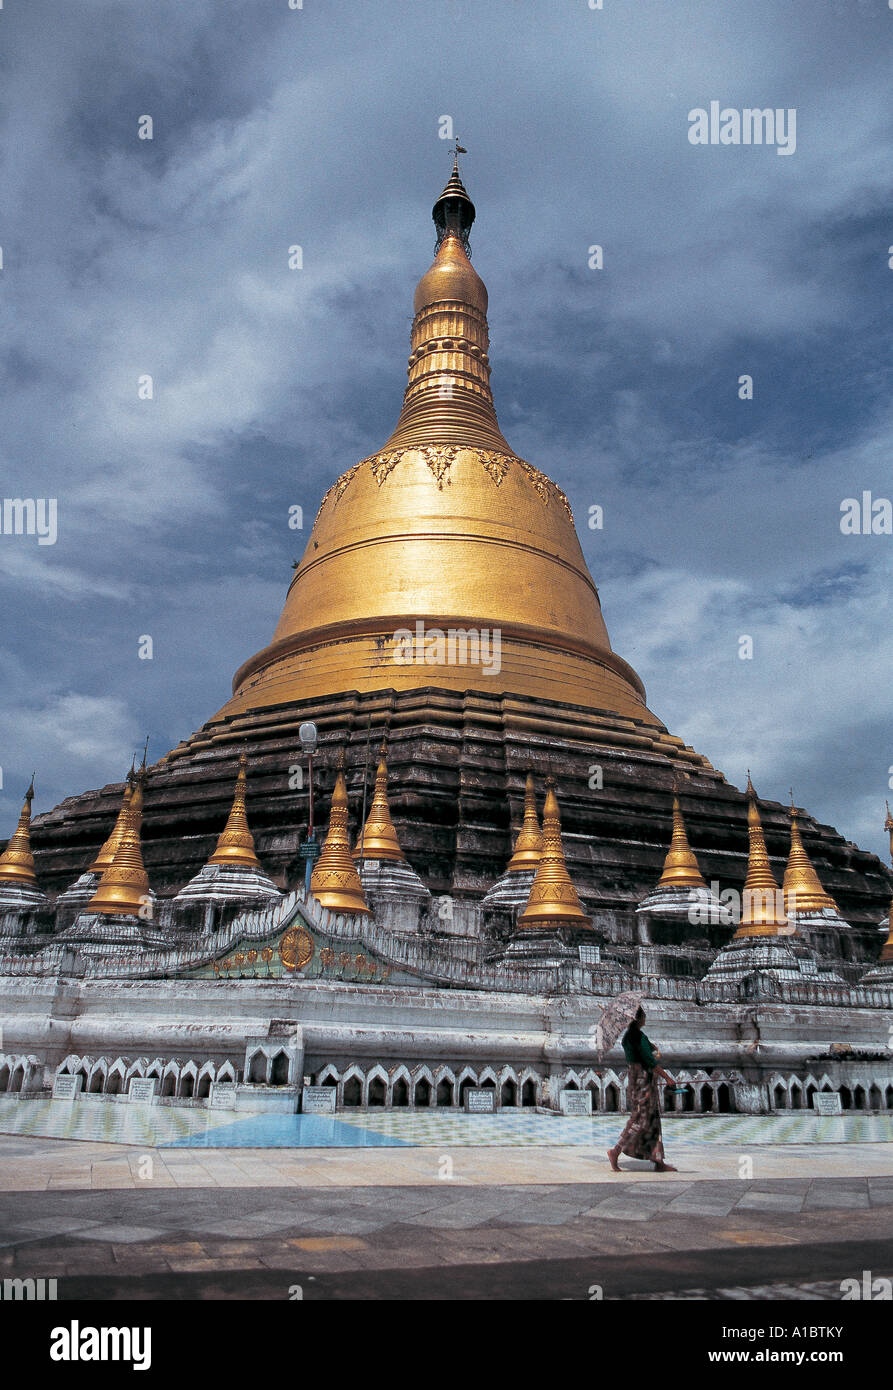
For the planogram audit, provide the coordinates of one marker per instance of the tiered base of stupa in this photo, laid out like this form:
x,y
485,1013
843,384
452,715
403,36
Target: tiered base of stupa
x,y
437,986
882,973
694,907
219,883
456,769
510,892
75,898
16,898
107,933
764,961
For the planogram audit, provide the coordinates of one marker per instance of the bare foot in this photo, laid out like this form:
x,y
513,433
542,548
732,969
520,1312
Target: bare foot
x,y
612,1159
665,1168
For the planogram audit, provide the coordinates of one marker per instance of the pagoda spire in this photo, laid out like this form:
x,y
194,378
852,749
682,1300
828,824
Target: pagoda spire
x,y
529,844
235,847
17,861
448,398
124,886
106,855
762,911
378,838
553,900
335,882
681,868
803,891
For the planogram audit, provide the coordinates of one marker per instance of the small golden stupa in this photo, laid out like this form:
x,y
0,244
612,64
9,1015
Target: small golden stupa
x,y
762,911
378,838
124,886
235,847
335,882
803,891
553,900
529,844
105,857
17,861
680,866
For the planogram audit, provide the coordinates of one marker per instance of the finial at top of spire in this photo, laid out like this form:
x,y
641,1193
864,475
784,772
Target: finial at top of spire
x,y
454,211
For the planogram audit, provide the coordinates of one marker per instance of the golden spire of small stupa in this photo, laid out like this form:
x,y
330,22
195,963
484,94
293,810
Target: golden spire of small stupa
x,y
803,891
106,855
378,838
17,861
888,826
553,900
680,866
762,901
335,882
529,844
124,887
235,847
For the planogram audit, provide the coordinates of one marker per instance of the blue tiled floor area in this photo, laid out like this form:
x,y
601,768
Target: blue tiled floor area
x,y
167,1126
180,1127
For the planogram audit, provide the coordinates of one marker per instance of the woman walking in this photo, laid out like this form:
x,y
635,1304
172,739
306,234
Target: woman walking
x,y
642,1136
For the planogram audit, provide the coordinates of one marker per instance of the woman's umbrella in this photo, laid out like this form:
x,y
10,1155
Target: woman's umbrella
x,y
616,1018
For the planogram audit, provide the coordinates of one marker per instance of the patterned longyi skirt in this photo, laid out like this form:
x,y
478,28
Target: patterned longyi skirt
x,y
642,1136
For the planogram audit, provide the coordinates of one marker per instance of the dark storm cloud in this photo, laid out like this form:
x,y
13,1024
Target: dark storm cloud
x,y
319,127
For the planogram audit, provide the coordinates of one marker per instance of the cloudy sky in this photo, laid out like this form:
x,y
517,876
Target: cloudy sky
x,y
319,126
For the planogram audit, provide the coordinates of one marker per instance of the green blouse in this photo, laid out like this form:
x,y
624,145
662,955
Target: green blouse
x,y
644,1055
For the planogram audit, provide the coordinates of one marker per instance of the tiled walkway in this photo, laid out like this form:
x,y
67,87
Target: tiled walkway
x,y
661,1237
46,1165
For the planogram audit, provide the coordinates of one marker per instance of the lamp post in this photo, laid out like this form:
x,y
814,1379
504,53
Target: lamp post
x,y
309,849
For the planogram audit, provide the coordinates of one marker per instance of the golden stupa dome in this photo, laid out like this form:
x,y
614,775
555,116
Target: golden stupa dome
x,y
444,530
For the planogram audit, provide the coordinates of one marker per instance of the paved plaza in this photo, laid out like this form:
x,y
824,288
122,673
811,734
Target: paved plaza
x,y
446,1207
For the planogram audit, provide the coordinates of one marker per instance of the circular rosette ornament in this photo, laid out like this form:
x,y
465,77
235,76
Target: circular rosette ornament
x,y
296,948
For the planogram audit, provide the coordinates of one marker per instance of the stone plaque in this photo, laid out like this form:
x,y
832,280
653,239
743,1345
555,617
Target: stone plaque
x,y
480,1100
827,1103
223,1095
318,1100
143,1090
67,1087
575,1102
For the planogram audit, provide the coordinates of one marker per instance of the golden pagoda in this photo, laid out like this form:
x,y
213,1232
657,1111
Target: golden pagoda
x,y
447,527
17,861
235,847
378,838
762,912
529,844
803,891
335,882
553,900
124,886
106,855
680,866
